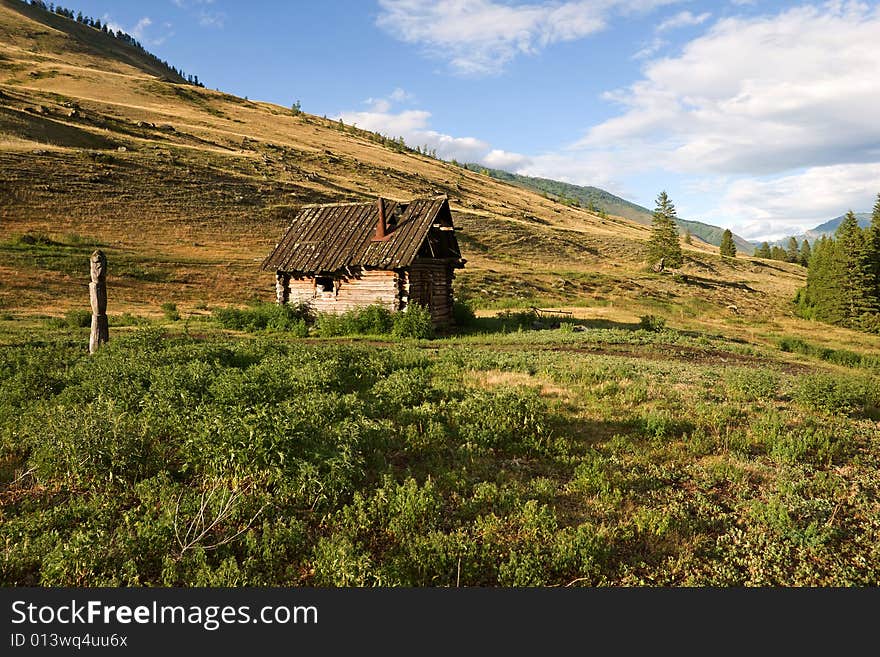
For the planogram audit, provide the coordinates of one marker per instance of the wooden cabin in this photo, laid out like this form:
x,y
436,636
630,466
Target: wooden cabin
x,y
349,255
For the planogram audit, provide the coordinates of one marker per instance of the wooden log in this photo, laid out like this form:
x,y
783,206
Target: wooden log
x,y
100,332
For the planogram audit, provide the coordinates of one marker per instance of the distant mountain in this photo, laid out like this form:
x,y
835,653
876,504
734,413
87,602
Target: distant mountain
x,y
828,229
599,200
830,226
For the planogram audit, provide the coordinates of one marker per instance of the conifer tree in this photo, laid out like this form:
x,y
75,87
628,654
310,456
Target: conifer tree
x,y
804,257
856,284
792,251
873,253
664,242
821,299
763,251
727,248
778,253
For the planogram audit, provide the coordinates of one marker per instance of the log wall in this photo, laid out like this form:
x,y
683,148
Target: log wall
x,y
427,283
360,288
430,285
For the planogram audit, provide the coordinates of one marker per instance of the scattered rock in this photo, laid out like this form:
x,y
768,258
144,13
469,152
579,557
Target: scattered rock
x,y
74,113
146,124
122,149
733,308
44,110
578,328
39,151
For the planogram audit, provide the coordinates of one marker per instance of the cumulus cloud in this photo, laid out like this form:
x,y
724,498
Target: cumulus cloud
x,y
772,208
480,37
781,107
759,96
414,126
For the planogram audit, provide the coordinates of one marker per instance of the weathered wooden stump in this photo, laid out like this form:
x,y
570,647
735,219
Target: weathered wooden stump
x,y
98,298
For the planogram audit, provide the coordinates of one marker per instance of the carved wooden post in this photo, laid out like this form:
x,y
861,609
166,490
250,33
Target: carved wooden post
x,y
98,297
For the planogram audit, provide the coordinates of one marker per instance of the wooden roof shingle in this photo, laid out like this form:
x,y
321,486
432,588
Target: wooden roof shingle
x,y
327,238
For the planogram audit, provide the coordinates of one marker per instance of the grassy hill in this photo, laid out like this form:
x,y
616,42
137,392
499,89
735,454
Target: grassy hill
x,y
681,428
187,188
598,200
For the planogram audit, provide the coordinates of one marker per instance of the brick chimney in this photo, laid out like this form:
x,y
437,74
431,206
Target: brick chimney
x,y
382,225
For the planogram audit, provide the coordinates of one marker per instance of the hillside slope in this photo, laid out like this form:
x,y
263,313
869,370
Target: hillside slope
x,y
599,200
188,188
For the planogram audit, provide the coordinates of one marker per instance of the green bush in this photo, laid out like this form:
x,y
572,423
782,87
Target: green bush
x,y
652,323
169,310
463,314
72,319
837,394
414,322
370,320
265,316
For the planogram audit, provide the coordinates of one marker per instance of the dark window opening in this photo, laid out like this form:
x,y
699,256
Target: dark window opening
x,y
324,283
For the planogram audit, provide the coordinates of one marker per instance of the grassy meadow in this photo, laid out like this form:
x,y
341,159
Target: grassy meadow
x,y
682,428
184,453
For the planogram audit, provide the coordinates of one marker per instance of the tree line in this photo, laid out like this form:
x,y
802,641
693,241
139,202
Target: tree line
x,y
798,253
843,276
126,38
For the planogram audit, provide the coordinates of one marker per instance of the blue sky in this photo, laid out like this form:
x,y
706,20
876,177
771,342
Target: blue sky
x,y
756,115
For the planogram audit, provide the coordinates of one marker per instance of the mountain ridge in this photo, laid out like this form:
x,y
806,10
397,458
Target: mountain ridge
x,y
826,229
604,201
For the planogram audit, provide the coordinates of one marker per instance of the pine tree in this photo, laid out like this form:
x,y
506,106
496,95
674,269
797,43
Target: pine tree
x,y
727,247
763,251
804,256
687,237
793,250
821,299
664,242
873,253
855,271
778,253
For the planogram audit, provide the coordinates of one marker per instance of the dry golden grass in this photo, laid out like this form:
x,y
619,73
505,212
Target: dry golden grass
x,y
205,200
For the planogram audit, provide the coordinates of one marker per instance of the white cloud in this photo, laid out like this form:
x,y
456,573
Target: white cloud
x,y
683,19
215,19
400,96
769,209
140,30
651,48
383,104
777,112
759,96
480,37
498,159
205,17
413,126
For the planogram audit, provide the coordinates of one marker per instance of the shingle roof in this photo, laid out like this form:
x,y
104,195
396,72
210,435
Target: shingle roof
x,y
325,238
